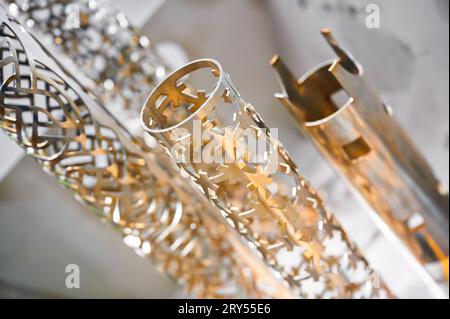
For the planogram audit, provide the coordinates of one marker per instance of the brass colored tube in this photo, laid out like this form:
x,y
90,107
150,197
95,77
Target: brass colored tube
x,y
265,199
364,142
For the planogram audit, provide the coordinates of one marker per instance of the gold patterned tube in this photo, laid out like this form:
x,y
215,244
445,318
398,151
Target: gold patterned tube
x,y
45,109
364,142
222,143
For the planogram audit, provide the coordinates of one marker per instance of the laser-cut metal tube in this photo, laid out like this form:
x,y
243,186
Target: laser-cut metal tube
x,y
363,141
268,202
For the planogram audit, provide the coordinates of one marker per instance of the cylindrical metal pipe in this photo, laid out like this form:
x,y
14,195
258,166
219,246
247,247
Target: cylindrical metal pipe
x,y
223,144
363,141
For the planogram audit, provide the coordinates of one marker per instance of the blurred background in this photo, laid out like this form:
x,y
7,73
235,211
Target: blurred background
x,y
43,229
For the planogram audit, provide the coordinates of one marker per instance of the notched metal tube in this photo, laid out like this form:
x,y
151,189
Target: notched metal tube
x,y
364,142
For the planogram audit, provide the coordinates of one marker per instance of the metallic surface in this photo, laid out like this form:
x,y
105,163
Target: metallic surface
x,y
277,212
54,119
363,141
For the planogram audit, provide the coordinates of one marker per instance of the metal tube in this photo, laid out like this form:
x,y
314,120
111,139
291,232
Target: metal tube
x,y
212,135
363,141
